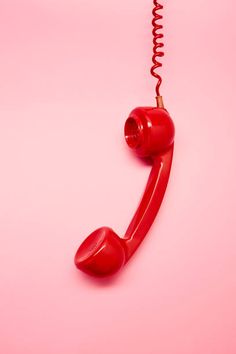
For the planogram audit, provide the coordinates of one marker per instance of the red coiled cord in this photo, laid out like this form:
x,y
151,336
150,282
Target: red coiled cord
x,y
156,52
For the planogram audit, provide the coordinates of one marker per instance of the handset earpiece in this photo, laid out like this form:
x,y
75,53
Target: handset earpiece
x,y
150,132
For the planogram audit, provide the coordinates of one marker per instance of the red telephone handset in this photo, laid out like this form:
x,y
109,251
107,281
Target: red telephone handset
x,y
150,132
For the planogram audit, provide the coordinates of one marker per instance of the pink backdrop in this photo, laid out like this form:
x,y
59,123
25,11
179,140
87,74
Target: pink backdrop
x,y
70,72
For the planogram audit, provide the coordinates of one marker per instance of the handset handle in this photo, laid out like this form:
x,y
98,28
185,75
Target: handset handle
x,y
150,202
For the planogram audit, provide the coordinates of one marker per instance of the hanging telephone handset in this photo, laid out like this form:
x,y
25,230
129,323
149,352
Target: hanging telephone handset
x,y
150,132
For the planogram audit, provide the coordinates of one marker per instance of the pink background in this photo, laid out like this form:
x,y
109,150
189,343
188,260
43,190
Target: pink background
x,y
70,73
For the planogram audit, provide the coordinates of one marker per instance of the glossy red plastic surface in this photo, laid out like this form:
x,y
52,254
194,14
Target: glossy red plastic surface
x,y
150,132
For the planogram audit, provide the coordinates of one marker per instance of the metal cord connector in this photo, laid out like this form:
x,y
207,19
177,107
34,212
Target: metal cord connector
x,y
160,103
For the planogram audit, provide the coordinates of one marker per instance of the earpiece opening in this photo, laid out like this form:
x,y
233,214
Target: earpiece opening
x,y
133,135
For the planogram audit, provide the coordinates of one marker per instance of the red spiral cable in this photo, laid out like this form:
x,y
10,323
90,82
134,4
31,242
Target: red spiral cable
x,y
157,44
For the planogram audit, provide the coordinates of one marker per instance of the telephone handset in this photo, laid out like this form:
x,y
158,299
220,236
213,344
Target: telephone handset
x,y
150,132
